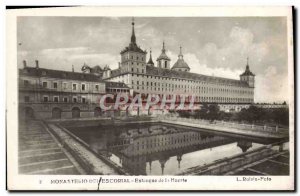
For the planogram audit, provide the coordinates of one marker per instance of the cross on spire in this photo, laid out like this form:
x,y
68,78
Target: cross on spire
x,y
180,53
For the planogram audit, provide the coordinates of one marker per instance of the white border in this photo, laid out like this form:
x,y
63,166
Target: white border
x,y
24,182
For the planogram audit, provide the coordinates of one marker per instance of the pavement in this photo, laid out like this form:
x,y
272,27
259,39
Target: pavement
x,y
39,153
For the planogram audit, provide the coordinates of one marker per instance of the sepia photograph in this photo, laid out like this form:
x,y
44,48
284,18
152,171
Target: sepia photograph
x,y
146,98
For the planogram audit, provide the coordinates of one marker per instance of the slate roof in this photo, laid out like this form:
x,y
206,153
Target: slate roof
x,y
133,48
180,63
110,84
192,76
155,71
41,72
163,54
247,72
150,62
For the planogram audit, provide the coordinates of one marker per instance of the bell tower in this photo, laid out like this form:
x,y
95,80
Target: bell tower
x,y
163,61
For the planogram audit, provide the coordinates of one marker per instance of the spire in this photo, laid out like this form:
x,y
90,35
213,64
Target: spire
x,y
247,72
150,62
180,53
133,39
73,67
247,66
163,54
163,49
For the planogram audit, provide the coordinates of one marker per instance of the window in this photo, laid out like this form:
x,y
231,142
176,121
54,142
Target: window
x,y
65,99
26,82
83,100
97,87
45,99
55,99
74,87
65,85
44,84
26,98
83,87
74,99
55,85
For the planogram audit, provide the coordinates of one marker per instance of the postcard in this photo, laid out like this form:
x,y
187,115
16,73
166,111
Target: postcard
x,y
150,99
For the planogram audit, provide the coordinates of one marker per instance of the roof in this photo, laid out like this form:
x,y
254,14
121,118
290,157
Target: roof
x,y
180,63
150,62
41,72
192,76
163,54
247,72
155,71
110,84
133,48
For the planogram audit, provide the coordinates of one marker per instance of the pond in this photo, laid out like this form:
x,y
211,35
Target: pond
x,y
159,149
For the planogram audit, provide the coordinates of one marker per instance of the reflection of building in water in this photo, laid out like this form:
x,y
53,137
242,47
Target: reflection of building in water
x,y
244,145
137,147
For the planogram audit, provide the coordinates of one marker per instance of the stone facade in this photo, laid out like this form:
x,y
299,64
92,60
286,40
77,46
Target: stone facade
x,y
45,93
147,78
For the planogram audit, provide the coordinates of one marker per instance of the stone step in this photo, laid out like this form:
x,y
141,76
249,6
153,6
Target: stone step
x,y
38,146
35,142
66,170
44,165
26,153
31,132
36,137
34,134
41,157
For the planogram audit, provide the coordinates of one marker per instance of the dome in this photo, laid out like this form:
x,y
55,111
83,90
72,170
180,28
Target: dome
x,y
180,63
163,55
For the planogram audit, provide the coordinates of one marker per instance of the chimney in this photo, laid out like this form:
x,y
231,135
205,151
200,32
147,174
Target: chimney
x,y
36,64
24,64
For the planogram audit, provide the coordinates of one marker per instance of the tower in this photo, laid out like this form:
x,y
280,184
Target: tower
x,y
133,58
180,64
150,62
248,76
163,61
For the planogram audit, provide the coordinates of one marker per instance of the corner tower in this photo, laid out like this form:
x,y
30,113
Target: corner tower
x,y
133,58
248,76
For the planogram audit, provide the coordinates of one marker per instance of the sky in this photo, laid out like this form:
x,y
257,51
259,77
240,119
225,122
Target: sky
x,y
216,46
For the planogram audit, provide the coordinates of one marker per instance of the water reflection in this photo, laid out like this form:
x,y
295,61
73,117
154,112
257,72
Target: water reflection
x,y
160,149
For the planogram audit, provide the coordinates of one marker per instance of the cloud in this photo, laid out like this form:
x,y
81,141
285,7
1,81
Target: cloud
x,y
234,52
271,86
64,58
211,46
